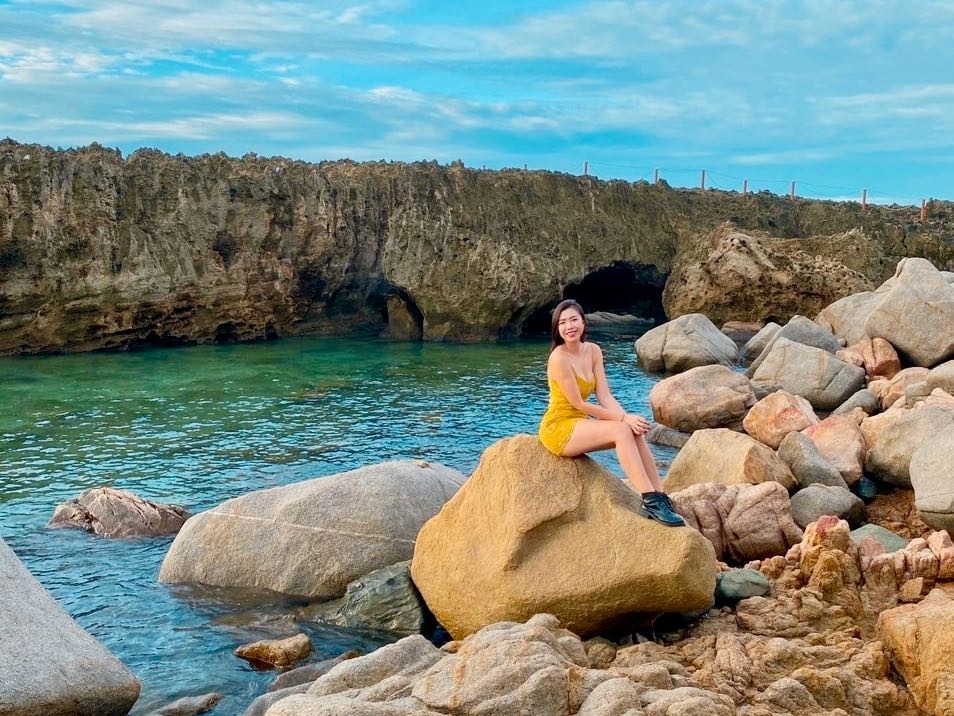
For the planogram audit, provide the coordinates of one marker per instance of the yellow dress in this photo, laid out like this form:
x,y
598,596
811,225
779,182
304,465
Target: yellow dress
x,y
558,422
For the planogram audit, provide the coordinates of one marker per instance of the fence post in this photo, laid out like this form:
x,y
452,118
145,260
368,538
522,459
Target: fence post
x,y
525,167
702,182
923,210
745,187
864,199
586,168
655,176
791,194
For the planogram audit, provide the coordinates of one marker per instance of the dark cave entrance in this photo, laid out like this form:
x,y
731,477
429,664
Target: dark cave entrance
x,y
620,288
376,309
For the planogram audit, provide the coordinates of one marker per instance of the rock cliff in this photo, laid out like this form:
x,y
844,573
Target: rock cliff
x,y
102,251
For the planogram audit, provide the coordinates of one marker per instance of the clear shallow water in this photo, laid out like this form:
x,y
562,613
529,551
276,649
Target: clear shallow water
x,y
196,426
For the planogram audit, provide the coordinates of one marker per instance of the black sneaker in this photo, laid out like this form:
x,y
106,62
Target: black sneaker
x,y
659,507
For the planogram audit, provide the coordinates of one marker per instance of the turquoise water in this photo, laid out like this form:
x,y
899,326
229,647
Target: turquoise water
x,y
196,426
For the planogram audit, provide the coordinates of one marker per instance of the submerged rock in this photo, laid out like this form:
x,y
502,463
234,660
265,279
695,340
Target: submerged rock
x,y
312,538
532,532
118,513
49,666
276,652
189,705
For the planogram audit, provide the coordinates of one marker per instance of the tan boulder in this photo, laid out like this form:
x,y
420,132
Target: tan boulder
x,y
916,315
312,538
710,396
895,439
743,522
728,458
846,317
776,415
276,652
918,639
932,477
840,441
685,342
942,377
530,532
875,355
939,398
118,513
895,388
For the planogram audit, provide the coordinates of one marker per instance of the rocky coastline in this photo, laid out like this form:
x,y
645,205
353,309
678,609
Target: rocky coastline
x,y
101,251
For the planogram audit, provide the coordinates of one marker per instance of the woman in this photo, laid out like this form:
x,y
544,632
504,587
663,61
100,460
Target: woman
x,y
573,426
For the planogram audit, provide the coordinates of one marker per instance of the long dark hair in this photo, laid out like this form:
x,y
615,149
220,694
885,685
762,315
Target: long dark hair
x,y
556,338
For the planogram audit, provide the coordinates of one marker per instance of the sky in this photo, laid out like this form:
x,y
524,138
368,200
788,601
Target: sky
x,y
837,96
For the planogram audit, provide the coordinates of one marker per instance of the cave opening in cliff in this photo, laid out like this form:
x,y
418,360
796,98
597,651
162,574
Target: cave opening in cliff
x,y
622,288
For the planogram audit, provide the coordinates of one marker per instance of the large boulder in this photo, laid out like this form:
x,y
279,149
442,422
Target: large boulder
x,y
743,522
683,343
312,538
847,316
776,415
118,513
49,666
840,441
916,315
932,477
917,637
893,444
728,458
810,372
710,396
801,330
531,532
818,500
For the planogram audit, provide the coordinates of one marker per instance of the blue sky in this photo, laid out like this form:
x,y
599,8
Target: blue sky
x,y
835,95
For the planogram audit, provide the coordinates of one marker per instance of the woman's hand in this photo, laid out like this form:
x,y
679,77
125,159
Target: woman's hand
x,y
638,424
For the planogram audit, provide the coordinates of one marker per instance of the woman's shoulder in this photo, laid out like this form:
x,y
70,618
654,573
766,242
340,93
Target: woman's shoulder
x,y
595,349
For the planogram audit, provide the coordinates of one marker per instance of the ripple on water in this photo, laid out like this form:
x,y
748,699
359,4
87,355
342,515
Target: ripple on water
x,y
200,425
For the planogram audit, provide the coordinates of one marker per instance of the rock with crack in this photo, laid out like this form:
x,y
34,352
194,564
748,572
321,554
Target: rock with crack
x,y
118,513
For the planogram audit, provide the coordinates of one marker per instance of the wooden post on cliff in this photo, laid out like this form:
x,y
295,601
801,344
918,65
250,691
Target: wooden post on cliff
x,y
791,194
655,176
586,168
745,187
923,210
702,182
864,199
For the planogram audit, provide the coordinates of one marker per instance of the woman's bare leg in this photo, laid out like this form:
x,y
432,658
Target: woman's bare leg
x,y
590,435
649,463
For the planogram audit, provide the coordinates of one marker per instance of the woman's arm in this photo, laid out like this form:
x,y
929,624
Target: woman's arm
x,y
638,423
559,370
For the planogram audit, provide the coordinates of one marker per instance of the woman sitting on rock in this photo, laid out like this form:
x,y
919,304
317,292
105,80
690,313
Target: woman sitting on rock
x,y
573,426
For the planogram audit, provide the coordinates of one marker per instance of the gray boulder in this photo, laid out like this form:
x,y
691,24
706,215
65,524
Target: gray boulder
x,y
886,538
312,538
801,330
806,462
189,705
118,513
864,399
734,585
916,315
294,681
818,500
847,316
810,372
932,477
890,449
49,666
660,434
756,344
384,599
942,377
683,343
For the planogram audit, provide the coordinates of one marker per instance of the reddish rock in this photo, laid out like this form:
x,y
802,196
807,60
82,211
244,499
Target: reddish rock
x,y
276,652
840,441
875,355
118,513
711,396
776,415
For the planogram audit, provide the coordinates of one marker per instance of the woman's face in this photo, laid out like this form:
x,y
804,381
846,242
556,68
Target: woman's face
x,y
570,325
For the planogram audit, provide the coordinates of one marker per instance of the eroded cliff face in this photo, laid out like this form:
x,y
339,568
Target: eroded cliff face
x,y
98,251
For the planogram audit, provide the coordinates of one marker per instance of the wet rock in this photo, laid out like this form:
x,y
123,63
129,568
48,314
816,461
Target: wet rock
x,y
606,322
932,477
840,441
735,585
810,372
384,599
728,458
276,652
818,500
312,538
776,415
916,315
307,673
894,444
49,666
118,513
550,543
806,462
743,522
917,636
686,342
189,705
865,399
704,397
